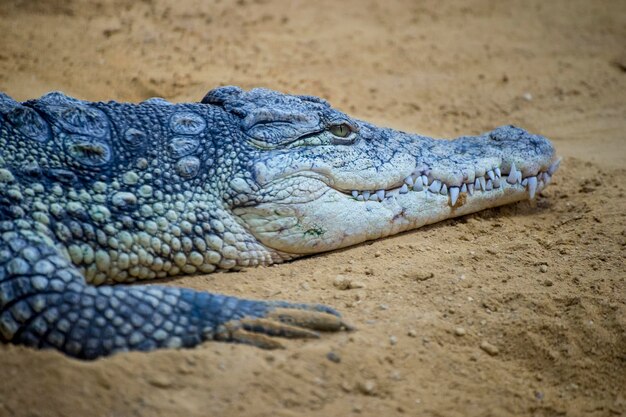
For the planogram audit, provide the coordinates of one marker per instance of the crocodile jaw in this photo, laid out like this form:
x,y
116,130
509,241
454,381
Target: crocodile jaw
x,y
325,207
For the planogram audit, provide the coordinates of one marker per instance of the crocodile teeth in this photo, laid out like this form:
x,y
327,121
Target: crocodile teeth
x,y
512,178
435,187
532,186
555,165
454,195
546,178
490,180
418,186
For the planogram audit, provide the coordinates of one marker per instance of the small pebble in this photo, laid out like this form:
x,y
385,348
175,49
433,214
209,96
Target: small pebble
x,y
395,375
102,380
423,276
490,305
367,387
341,282
527,96
548,283
412,333
459,331
489,348
333,357
160,381
184,369
393,340
543,268
377,254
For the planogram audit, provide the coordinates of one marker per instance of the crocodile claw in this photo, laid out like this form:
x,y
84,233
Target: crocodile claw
x,y
296,322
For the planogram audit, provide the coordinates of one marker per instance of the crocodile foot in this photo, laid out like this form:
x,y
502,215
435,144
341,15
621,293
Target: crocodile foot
x,y
46,303
291,321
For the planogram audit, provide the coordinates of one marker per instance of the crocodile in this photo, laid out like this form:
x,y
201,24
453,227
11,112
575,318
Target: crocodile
x,y
95,194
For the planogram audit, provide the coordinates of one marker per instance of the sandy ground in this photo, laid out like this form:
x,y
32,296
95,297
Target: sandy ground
x,y
543,284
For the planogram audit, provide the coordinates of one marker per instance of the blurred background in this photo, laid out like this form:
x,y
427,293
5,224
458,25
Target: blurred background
x,y
440,67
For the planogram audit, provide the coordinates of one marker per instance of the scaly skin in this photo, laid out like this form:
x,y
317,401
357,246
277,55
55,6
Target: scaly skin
x,y
93,194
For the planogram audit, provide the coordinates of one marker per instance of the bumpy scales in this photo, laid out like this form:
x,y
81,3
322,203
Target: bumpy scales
x,y
93,194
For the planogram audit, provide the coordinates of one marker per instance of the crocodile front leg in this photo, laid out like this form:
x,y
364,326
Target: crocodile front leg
x,y
46,303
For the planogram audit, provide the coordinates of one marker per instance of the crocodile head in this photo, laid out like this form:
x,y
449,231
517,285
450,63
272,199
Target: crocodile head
x,y
315,179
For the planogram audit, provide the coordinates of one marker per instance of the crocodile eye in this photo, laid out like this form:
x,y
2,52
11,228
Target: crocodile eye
x,y
342,130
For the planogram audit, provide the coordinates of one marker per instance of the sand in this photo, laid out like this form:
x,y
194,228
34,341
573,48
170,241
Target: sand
x,y
519,310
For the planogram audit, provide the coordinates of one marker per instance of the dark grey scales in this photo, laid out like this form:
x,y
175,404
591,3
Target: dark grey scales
x,y
96,194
